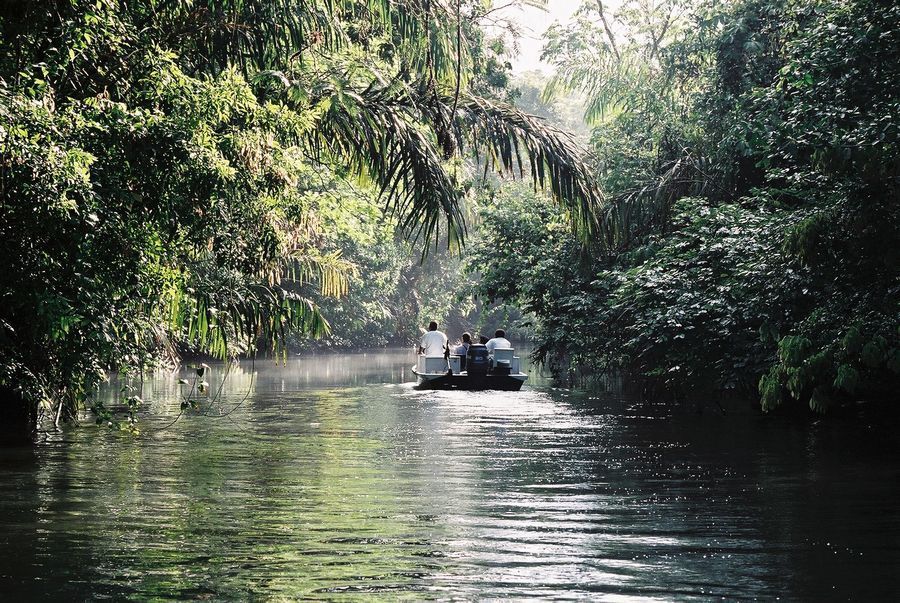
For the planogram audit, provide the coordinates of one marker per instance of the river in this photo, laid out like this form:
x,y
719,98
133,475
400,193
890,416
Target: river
x,y
333,478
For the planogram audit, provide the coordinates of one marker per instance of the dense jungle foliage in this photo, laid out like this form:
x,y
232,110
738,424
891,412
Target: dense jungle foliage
x,y
189,176
207,177
750,152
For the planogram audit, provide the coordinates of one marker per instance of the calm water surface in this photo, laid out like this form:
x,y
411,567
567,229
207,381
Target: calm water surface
x,y
334,478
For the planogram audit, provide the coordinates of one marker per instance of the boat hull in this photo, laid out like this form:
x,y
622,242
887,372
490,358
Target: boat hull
x,y
463,381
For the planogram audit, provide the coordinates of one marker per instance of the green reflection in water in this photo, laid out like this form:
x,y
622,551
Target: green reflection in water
x,y
289,493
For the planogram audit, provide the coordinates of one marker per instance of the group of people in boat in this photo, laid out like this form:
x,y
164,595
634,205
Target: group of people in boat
x,y
435,343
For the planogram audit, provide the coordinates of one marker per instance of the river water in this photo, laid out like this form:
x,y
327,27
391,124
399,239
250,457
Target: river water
x,y
332,478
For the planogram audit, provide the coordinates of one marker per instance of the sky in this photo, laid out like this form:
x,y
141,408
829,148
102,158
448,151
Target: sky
x,y
534,22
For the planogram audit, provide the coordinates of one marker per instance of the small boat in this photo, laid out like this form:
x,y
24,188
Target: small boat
x,y
476,371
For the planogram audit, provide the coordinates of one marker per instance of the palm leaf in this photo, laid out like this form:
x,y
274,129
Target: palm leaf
x,y
263,34
376,132
555,161
397,135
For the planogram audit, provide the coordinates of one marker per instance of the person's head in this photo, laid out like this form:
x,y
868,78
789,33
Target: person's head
x,y
499,333
466,338
432,326
482,339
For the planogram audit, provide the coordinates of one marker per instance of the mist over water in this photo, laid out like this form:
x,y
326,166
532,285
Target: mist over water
x,y
333,476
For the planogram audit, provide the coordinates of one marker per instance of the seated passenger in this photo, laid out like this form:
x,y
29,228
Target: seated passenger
x,y
433,343
499,341
462,349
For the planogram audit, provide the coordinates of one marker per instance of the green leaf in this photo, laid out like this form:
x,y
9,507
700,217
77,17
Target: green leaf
x,y
847,378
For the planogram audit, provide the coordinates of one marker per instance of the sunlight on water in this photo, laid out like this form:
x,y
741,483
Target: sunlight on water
x,y
333,475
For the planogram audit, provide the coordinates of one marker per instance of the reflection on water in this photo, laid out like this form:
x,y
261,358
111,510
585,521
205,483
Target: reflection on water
x,y
333,476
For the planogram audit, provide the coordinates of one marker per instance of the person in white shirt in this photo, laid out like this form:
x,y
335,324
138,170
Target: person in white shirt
x,y
499,341
433,343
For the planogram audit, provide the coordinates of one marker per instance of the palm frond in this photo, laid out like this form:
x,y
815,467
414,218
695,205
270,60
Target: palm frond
x,y
647,208
330,270
425,31
399,136
228,317
392,135
261,34
378,135
503,134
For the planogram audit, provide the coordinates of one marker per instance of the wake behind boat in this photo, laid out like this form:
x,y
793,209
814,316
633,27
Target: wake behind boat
x,y
477,370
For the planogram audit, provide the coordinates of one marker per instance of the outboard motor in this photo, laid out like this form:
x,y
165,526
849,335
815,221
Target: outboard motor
x,y
477,362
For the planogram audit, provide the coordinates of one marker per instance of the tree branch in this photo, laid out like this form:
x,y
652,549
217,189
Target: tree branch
x,y
609,33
